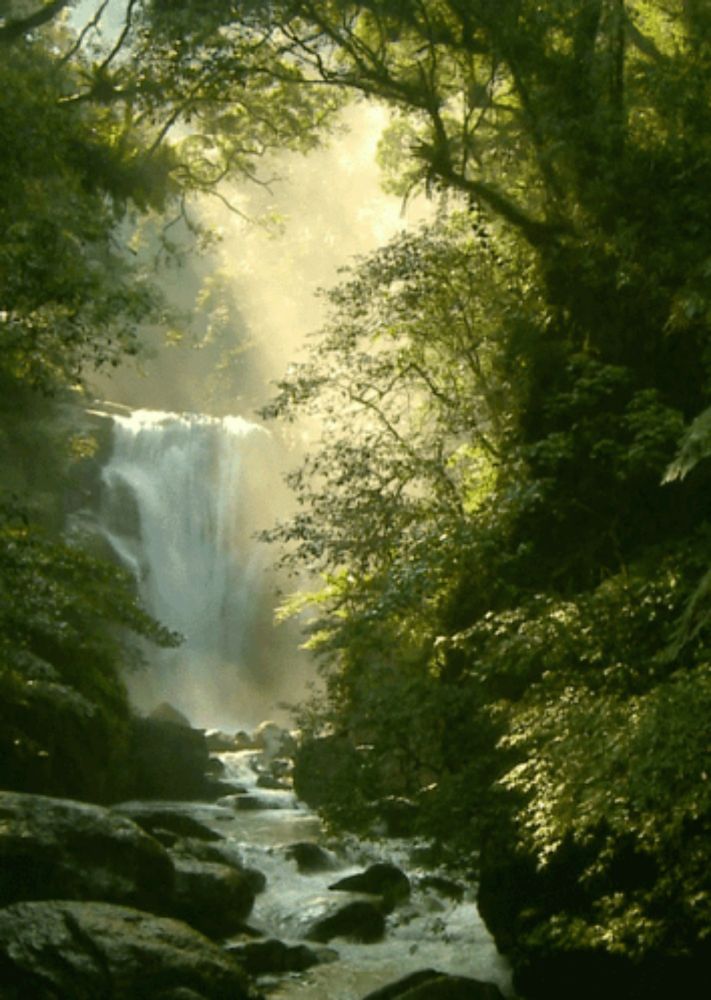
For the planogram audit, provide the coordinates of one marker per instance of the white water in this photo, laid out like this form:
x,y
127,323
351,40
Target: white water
x,y
183,495
428,931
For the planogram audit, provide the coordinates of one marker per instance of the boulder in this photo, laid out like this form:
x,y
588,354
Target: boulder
x,y
310,857
154,817
58,848
381,879
272,783
53,739
214,898
273,956
61,950
446,887
273,740
166,712
431,985
219,741
167,761
358,921
219,854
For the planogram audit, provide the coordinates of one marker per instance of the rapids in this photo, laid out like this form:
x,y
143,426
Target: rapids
x,y
428,931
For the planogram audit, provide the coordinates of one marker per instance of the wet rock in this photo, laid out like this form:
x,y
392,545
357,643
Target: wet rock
x,y
214,898
428,984
358,921
273,740
219,791
219,854
268,781
220,742
381,879
161,816
273,956
243,741
215,767
53,739
442,886
58,848
83,951
310,857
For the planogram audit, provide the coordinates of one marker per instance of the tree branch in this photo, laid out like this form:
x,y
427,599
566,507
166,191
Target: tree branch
x,y
12,31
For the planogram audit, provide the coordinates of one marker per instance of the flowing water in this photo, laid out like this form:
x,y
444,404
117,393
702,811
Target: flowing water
x,y
183,495
182,498
428,931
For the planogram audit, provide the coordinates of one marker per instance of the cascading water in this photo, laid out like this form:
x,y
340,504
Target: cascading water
x,y
182,496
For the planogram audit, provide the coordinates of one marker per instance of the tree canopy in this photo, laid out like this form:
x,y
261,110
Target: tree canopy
x,y
506,511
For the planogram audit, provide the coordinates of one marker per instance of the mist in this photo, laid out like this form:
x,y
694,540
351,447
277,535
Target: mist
x,y
253,299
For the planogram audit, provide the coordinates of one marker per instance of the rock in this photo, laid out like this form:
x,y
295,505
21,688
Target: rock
x,y
219,741
243,741
57,848
381,879
60,950
167,761
273,740
273,956
159,816
167,713
214,898
442,886
215,767
53,739
310,857
220,854
358,921
431,985
269,782
216,790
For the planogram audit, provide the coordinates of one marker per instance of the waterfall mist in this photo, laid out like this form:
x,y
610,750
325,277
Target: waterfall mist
x,y
186,491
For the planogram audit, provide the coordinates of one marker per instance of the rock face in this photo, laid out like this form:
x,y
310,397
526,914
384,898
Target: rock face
x,y
53,739
357,921
431,985
61,950
61,849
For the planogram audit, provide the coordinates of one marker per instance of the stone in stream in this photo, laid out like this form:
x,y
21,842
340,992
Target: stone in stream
x,y
214,898
310,857
381,879
274,956
442,886
165,816
358,921
220,854
428,984
62,849
61,950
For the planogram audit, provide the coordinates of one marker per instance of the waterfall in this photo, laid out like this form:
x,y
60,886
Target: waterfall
x,y
182,496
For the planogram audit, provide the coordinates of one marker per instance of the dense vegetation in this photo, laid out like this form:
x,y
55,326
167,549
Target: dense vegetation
x,y
508,508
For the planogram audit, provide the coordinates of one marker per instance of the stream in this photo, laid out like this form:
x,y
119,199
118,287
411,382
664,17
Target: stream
x,y
426,931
